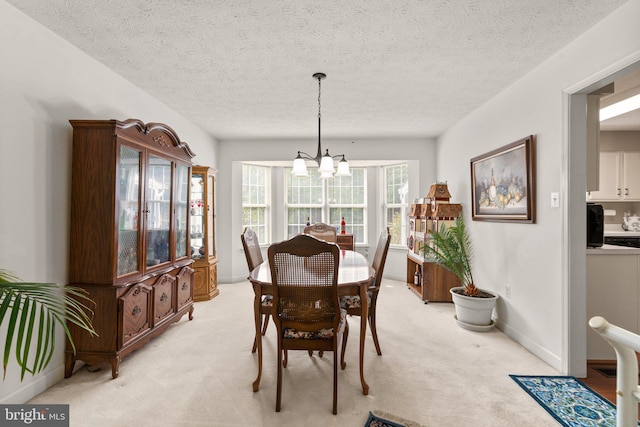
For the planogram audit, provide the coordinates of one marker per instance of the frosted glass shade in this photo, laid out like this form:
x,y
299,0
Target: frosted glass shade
x,y
343,168
326,165
299,167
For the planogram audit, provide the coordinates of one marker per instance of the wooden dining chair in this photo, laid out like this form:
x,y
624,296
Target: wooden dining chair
x,y
352,303
321,231
254,258
306,307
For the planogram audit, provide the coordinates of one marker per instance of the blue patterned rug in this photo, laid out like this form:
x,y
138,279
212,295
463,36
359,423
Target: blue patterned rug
x,y
568,400
384,419
375,421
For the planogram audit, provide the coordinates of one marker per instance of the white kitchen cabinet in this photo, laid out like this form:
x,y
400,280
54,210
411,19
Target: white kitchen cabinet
x,y
609,177
612,292
631,176
619,177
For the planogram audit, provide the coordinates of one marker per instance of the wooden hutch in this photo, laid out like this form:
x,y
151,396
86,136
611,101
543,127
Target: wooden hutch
x,y
203,235
435,212
128,242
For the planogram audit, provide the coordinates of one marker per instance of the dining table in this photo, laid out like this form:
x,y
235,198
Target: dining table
x,y
355,275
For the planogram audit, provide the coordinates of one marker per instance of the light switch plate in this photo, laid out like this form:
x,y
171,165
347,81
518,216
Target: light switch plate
x,y
555,200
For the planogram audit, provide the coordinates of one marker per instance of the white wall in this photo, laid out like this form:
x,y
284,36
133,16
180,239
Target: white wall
x,y
44,82
534,258
231,262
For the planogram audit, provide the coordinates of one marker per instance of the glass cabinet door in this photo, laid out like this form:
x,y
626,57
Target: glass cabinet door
x,y
182,194
129,208
158,210
198,249
211,238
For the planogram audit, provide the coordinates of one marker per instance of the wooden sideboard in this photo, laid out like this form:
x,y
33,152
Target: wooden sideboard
x,y
346,241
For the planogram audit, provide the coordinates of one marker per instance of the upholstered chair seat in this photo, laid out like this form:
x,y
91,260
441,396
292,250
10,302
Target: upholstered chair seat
x,y
353,301
326,333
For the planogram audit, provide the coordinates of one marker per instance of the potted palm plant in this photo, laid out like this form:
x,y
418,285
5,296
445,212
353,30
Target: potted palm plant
x,y
33,311
451,248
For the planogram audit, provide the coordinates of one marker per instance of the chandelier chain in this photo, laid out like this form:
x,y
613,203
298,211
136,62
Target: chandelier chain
x,y
319,89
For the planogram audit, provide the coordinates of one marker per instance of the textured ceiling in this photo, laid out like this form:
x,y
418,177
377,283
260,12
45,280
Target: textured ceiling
x,y
242,68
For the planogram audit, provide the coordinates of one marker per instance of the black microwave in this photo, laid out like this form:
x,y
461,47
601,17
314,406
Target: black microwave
x,y
595,225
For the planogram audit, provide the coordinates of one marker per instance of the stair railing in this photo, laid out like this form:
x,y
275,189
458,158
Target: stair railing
x,y
626,344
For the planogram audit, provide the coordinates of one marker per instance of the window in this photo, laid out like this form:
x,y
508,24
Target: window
x,y
255,200
305,198
396,188
312,199
347,198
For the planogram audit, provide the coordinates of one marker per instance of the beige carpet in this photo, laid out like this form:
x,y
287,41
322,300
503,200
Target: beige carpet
x,y
199,373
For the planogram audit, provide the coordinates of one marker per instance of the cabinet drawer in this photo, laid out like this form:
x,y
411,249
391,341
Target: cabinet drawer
x,y
135,312
163,298
185,286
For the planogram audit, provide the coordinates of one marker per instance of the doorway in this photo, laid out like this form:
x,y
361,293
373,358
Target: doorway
x,y
575,341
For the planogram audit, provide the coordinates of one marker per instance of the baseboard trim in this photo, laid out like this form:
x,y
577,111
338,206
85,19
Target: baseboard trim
x,y
30,389
535,348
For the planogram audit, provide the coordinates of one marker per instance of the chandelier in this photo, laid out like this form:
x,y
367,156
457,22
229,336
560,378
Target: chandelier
x,y
325,162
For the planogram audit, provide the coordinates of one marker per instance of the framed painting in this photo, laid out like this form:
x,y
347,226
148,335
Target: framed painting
x,y
503,183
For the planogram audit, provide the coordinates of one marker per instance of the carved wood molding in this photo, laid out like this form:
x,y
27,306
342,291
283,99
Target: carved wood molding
x,y
146,129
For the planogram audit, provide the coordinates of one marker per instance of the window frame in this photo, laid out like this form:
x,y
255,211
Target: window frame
x,y
347,206
325,207
404,207
266,237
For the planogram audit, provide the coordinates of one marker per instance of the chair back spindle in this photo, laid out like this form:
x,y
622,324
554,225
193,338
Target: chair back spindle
x,y
380,257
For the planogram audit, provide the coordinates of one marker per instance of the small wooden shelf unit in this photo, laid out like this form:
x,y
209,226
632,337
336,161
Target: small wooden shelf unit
x,y
436,281
434,213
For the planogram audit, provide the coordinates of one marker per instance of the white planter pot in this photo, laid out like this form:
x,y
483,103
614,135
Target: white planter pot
x,y
473,313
